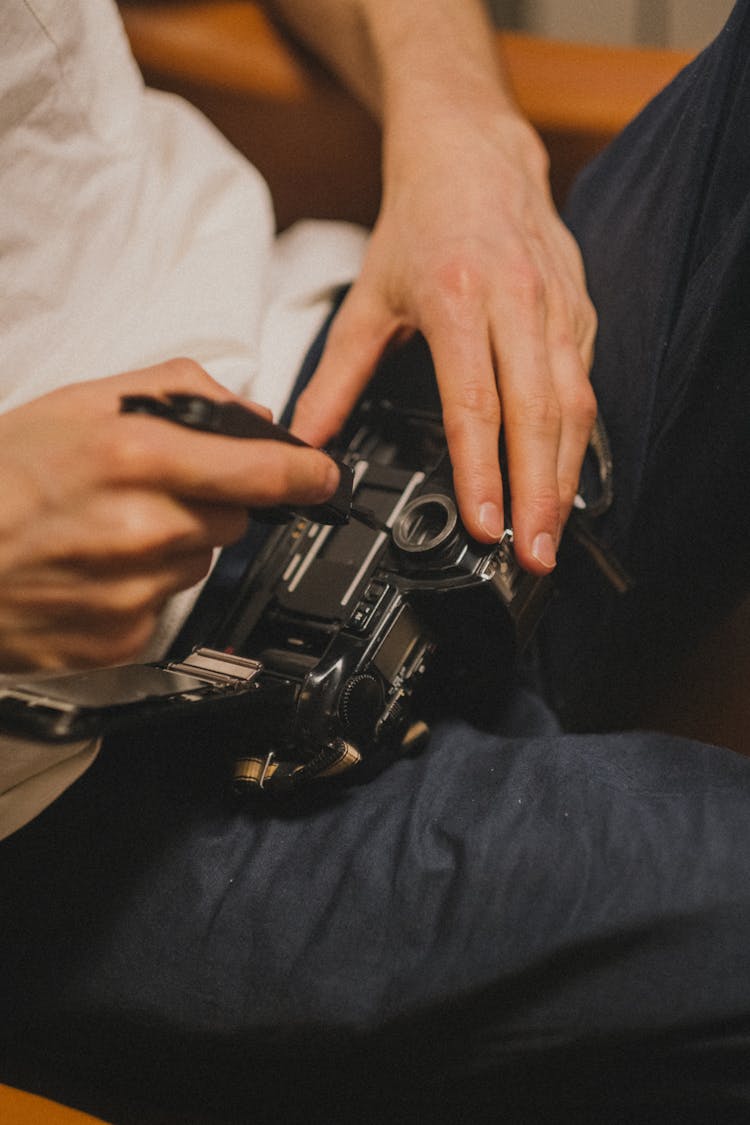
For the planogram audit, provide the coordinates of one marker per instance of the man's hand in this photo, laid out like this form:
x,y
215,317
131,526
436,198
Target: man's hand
x,y
469,249
482,265
105,515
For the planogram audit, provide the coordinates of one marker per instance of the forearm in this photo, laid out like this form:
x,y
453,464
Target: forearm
x,y
390,52
469,250
429,72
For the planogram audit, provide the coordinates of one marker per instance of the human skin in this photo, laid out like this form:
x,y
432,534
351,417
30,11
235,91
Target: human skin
x,y
106,515
468,249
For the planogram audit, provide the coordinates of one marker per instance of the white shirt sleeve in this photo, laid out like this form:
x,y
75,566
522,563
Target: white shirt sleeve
x,y
33,774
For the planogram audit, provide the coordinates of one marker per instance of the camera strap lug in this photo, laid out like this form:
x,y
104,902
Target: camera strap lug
x,y
275,776
606,560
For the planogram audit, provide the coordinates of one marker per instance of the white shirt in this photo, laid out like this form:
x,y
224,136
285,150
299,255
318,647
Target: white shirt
x,y
132,232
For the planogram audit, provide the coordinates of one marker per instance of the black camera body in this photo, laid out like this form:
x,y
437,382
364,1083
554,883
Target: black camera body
x,y
342,636
359,620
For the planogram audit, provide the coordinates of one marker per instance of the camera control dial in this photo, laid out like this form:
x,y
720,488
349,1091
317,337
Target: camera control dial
x,y
360,704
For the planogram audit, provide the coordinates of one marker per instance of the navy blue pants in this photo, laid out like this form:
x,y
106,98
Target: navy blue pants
x,y
535,924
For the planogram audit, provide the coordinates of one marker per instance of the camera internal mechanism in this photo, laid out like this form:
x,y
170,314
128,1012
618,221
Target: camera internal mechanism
x,y
343,636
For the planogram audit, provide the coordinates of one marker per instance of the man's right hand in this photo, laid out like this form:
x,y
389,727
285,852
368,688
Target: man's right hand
x,y
106,515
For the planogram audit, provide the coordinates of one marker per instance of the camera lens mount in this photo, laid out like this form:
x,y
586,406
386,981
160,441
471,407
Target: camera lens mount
x,y
426,525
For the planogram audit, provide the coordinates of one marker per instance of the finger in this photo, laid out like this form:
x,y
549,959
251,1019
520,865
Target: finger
x,y
578,406
200,466
55,649
214,525
184,376
141,594
101,397
79,647
531,423
69,617
358,336
180,374
64,595
569,342
47,641
575,297
126,529
471,418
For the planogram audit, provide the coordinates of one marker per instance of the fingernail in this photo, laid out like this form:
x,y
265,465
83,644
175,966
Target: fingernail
x,y
332,479
544,551
491,520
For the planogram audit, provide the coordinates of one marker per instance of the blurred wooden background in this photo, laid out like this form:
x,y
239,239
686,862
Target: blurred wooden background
x,y
659,23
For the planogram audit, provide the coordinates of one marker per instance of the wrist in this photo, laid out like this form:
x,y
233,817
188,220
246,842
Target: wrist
x,y
439,135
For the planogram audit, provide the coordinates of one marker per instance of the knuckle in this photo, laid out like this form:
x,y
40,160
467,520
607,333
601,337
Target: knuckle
x,y
478,398
187,373
588,324
545,503
478,403
540,414
459,280
589,315
583,405
138,533
144,525
124,453
527,283
591,340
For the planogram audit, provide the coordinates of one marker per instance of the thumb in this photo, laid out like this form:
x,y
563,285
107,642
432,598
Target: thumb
x,y
358,337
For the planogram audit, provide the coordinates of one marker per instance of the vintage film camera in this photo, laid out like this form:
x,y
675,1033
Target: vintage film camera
x,y
355,622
